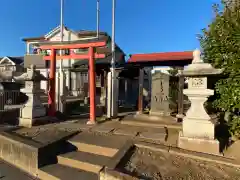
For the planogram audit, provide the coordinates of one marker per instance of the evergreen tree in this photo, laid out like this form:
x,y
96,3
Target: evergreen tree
x,y
220,44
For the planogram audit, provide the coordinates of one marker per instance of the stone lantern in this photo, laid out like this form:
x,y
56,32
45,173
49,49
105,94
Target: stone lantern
x,y
197,129
33,110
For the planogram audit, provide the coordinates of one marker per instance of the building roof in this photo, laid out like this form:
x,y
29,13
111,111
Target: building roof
x,y
165,56
17,60
34,38
79,33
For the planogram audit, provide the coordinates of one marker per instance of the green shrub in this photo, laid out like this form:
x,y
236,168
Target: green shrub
x,y
220,44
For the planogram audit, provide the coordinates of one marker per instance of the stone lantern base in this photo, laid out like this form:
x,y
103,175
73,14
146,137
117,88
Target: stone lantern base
x,y
30,122
209,146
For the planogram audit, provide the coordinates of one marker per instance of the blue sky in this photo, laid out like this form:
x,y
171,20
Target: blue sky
x,y
142,26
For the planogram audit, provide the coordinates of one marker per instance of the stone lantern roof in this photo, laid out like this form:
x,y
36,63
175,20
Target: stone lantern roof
x,y
31,75
199,67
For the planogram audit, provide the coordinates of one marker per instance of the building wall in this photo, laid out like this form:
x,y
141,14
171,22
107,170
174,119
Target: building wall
x,y
67,36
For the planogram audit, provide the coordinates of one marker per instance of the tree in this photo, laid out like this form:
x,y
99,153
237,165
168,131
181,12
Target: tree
x,y
220,44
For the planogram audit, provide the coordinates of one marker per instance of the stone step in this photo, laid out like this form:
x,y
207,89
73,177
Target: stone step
x,y
151,123
61,172
98,144
84,161
98,150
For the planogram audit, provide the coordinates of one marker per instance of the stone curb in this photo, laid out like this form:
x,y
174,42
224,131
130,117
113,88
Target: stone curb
x,y
190,154
135,123
116,159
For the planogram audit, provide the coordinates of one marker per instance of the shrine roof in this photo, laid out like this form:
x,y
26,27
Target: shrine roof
x,y
184,58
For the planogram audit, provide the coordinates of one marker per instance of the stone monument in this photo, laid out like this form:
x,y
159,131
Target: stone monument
x,y
33,110
198,130
159,95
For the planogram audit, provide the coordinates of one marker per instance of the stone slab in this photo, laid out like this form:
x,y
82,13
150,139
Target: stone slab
x,y
152,118
114,142
53,135
103,129
153,136
145,121
152,146
199,145
125,132
74,126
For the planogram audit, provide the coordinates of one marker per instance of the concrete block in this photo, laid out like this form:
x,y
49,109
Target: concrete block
x,y
19,152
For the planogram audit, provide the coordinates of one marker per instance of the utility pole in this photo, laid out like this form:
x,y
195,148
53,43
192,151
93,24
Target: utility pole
x,y
61,76
98,17
113,62
61,29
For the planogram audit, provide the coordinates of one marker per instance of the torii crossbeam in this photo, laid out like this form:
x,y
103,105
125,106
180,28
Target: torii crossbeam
x,y
91,55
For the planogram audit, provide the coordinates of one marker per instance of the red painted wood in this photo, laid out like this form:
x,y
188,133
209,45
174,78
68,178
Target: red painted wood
x,y
92,85
73,46
158,57
75,56
52,77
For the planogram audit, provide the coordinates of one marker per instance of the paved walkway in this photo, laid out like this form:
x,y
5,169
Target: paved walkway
x,y
8,172
149,134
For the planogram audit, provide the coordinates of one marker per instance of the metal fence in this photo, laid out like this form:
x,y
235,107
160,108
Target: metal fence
x,y
10,103
80,83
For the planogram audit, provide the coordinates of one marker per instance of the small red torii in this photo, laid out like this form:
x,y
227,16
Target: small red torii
x,y
91,56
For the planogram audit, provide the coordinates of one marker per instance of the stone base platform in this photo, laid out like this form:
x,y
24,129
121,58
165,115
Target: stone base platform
x,y
199,145
26,122
146,120
155,117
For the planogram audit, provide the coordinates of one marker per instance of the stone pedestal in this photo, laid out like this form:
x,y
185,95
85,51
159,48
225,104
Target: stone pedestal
x,y
198,130
209,146
33,110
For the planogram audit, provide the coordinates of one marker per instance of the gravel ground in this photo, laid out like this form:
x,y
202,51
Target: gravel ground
x,y
147,165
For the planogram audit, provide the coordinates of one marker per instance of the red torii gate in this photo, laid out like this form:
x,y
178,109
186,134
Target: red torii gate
x,y
91,56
